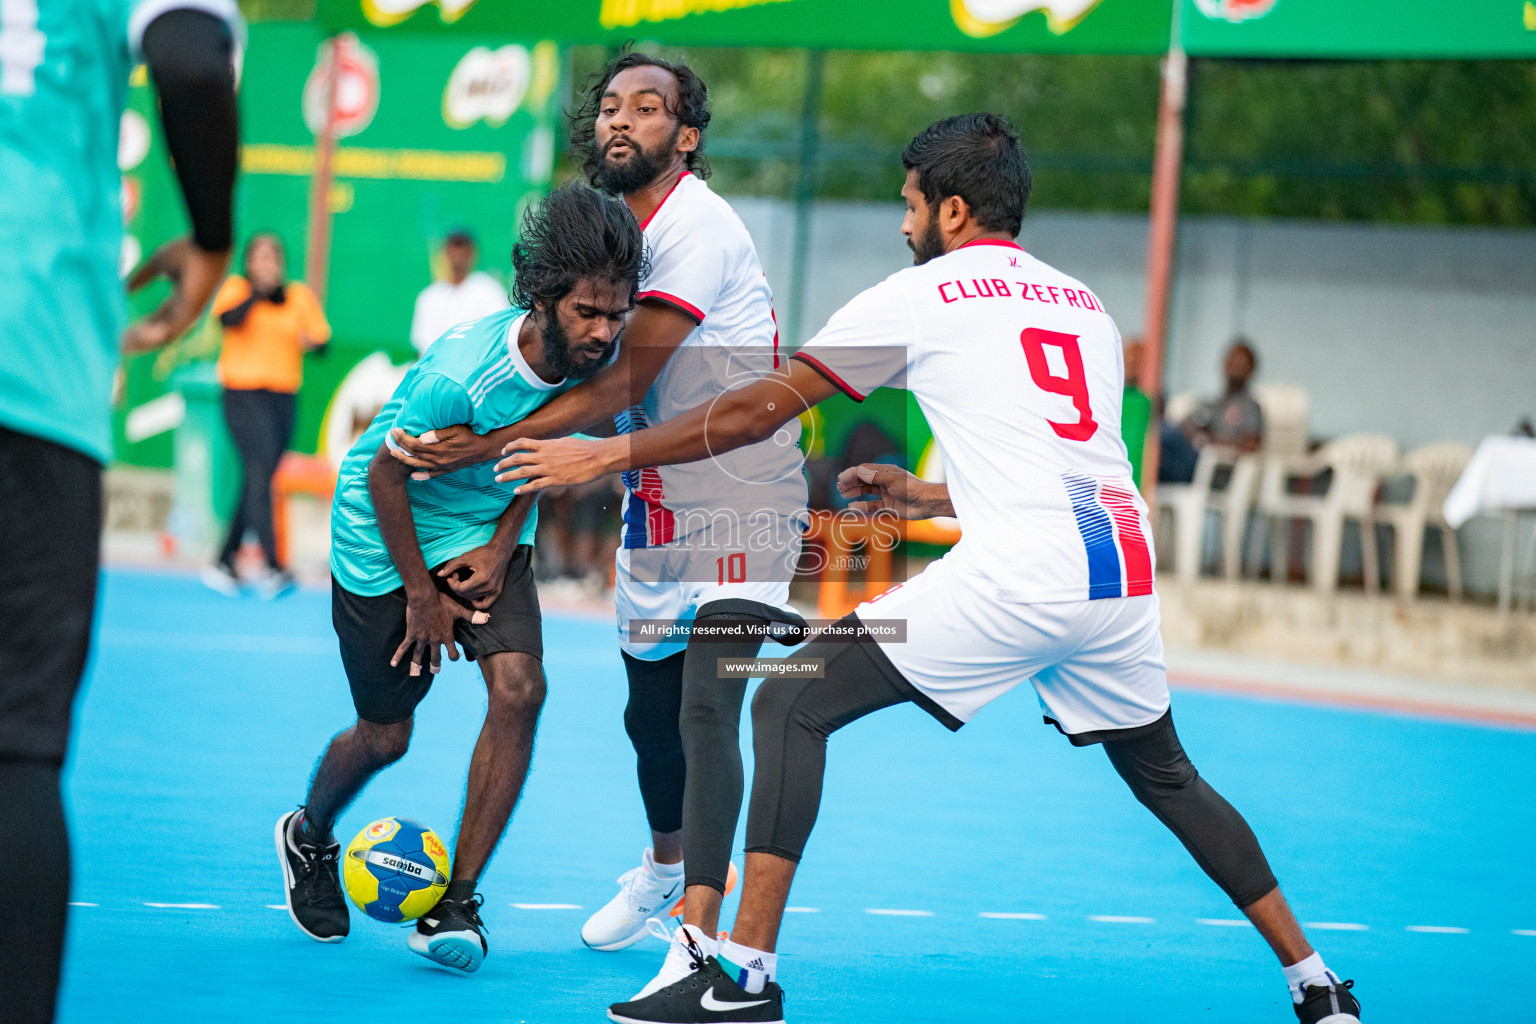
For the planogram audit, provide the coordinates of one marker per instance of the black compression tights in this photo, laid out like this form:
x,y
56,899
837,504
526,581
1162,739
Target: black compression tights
x,y
792,718
682,713
1158,771
650,718
36,857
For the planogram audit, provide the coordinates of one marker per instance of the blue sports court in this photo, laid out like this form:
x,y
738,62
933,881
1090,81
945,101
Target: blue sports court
x,y
997,874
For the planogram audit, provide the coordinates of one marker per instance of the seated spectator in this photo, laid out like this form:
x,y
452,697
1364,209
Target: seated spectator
x,y
1234,420
465,294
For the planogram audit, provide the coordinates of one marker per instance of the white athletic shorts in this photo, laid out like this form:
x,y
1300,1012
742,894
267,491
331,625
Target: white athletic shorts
x,y
671,582
1095,665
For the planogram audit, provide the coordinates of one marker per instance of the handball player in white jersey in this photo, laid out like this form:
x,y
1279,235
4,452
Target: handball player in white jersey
x,y
712,543
1017,368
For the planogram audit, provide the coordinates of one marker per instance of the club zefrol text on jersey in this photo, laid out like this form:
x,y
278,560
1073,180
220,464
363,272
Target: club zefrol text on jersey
x,y
998,288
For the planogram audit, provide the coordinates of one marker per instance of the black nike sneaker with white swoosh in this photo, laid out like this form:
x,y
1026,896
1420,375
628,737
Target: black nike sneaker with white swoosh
x,y
707,996
1329,1004
451,935
311,881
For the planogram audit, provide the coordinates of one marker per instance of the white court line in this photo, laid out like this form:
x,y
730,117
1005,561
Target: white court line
x,y
85,904
184,906
802,910
238,642
1438,929
1224,922
1522,931
881,912
547,906
1000,915
1115,919
1338,926
277,906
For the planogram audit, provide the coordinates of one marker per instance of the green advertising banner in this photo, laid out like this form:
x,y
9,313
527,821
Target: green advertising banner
x,y
1012,26
1359,28
1215,28
437,134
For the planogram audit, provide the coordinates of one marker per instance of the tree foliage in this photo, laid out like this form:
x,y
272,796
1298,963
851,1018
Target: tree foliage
x,y
1441,142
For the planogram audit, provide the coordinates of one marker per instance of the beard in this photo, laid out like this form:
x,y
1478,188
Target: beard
x,y
557,352
638,171
927,244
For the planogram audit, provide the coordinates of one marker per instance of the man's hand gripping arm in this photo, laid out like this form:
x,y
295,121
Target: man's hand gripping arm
x,y
734,420
429,613
654,332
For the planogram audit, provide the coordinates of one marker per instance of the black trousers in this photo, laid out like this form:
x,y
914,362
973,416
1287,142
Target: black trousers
x,y
261,422
50,542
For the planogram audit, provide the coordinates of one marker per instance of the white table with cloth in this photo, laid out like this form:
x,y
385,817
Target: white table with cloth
x,y
1500,480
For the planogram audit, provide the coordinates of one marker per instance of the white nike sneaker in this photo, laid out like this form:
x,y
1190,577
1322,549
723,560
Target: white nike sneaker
x,y
621,922
680,961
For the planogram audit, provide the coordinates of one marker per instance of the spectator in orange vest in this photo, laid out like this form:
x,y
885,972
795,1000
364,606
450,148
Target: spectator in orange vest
x,y
269,324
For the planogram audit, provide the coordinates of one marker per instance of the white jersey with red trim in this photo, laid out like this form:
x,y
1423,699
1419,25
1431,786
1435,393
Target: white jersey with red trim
x,y
1019,371
704,263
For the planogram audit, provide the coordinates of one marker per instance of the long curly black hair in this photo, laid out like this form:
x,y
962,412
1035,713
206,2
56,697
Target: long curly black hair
x,y
691,108
575,233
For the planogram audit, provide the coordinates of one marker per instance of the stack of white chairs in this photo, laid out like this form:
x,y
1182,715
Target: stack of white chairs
x,y
1435,469
1357,463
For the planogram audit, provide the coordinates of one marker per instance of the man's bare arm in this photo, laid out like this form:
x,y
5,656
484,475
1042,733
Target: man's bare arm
x,y
654,332
429,614
733,420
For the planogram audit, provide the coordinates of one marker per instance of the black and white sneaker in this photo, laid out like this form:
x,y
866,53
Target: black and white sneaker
x,y
311,876
707,996
1329,1004
451,935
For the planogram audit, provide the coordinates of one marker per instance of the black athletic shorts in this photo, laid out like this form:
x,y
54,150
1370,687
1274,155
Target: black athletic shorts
x,y
371,629
50,551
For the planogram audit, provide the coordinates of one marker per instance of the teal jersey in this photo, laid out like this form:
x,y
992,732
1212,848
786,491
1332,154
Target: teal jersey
x,y
474,375
64,68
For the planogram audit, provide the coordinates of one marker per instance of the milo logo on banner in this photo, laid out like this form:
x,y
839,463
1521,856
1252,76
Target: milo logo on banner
x,y
391,12
626,13
1235,10
982,18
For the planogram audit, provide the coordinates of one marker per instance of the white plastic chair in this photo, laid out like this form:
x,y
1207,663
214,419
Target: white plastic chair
x,y
1187,504
1435,469
1287,422
1181,407
1287,418
1358,462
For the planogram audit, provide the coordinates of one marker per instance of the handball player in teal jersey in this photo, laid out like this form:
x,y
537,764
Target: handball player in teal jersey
x,y
419,564
64,67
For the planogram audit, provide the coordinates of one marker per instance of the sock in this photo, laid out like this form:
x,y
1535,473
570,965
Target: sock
x,y
708,943
663,871
460,889
751,968
304,831
1309,971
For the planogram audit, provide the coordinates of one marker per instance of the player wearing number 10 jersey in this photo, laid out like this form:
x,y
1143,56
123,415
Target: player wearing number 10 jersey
x,y
712,544
1017,368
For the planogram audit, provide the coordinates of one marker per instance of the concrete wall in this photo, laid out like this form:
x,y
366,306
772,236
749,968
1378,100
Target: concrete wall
x,y
1424,333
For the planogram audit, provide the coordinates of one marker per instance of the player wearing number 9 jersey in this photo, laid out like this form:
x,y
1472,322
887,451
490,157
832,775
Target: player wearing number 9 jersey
x,y
1017,368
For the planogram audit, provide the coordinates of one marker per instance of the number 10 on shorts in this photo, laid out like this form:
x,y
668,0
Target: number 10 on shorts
x,y
732,568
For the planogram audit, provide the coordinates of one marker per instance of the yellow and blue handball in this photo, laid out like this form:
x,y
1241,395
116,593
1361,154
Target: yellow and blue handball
x,y
395,870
